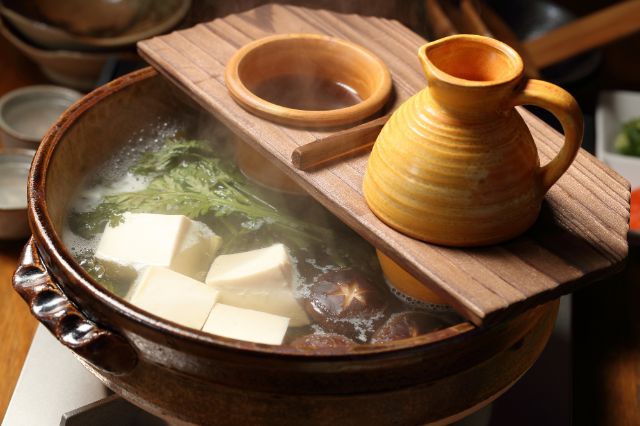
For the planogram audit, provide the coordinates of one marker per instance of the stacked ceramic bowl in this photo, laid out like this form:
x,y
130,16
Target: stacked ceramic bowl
x,y
72,40
26,114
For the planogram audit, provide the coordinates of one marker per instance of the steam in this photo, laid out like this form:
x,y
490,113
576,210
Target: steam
x,y
307,91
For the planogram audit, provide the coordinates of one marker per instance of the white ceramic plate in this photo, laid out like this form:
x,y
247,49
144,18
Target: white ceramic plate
x,y
614,109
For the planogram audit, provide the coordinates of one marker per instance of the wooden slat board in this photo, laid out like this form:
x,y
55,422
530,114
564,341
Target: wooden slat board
x,y
580,236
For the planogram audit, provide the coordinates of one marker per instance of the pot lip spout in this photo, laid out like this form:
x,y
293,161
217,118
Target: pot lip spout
x,y
436,72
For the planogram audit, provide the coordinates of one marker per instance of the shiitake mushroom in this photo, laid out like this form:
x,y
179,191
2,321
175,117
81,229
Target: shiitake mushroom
x,y
323,342
346,303
404,325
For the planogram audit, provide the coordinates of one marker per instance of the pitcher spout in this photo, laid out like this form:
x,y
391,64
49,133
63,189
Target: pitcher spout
x,y
471,75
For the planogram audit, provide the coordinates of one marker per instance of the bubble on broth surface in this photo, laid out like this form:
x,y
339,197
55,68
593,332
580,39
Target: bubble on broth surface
x,y
322,269
364,327
89,197
147,139
78,245
300,288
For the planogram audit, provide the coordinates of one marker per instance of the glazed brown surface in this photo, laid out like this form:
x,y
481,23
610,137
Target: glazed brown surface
x,y
196,375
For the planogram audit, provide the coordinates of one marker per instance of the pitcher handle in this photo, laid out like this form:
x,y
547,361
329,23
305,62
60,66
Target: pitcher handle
x,y
561,104
103,348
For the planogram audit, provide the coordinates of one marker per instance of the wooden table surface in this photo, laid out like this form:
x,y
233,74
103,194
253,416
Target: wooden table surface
x,y
606,318
16,323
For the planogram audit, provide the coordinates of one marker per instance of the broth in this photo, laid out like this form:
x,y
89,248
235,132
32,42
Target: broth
x,y
336,275
307,92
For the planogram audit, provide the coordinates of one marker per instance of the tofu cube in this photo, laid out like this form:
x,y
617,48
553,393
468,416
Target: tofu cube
x,y
143,239
173,296
246,324
273,301
264,268
261,280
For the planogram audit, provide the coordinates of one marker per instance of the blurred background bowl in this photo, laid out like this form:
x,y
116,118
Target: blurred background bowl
x,y
79,70
91,25
27,113
14,172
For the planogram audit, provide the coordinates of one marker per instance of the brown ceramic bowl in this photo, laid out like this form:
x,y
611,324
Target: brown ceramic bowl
x,y
308,80
79,70
92,26
201,378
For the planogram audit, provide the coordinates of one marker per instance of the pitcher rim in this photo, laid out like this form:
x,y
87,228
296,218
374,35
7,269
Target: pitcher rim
x,y
505,49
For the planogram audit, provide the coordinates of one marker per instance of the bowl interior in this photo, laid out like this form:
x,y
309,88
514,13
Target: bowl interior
x,y
473,60
142,106
309,74
308,77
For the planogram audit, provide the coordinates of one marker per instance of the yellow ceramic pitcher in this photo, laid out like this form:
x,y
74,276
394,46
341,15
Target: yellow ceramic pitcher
x,y
456,164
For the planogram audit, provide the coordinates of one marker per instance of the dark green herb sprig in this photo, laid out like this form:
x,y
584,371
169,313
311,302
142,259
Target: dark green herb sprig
x,y
189,177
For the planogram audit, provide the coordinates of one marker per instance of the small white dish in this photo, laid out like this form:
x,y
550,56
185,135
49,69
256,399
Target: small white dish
x,y
614,109
27,113
14,173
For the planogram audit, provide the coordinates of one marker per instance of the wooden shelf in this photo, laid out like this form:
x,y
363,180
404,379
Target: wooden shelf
x,y
580,236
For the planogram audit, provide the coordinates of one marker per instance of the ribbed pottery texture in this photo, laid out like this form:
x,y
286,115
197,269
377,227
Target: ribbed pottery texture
x,y
456,164
450,181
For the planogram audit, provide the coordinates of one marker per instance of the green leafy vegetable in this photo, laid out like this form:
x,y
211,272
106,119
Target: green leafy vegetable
x,y
188,177
628,140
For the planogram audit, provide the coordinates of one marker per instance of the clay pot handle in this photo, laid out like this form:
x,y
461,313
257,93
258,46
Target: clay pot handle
x,y
561,104
102,348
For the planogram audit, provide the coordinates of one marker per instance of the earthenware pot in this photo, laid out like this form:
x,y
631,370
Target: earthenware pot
x,y
204,379
456,164
308,80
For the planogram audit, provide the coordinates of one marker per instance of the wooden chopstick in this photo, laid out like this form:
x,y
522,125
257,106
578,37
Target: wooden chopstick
x,y
504,33
439,23
586,33
339,145
472,20
467,17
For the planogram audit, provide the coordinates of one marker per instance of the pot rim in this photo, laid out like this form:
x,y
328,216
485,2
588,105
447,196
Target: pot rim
x,y
47,237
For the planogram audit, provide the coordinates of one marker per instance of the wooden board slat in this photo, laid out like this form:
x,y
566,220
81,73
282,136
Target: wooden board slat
x,y
581,233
